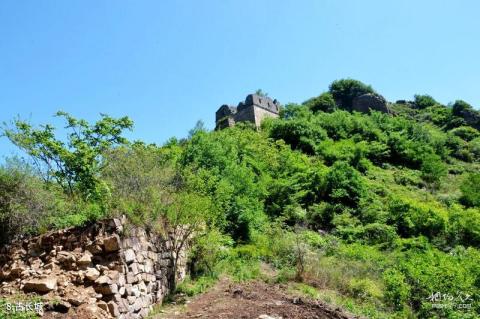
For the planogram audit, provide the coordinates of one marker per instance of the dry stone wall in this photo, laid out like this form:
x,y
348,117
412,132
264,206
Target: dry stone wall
x,y
102,270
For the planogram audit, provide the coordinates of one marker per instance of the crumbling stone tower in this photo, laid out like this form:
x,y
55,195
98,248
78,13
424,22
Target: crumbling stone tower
x,y
254,109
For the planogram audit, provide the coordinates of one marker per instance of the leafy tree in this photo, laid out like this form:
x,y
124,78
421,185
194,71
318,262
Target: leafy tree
x,y
324,102
424,101
141,178
345,90
181,220
261,93
76,164
459,106
292,110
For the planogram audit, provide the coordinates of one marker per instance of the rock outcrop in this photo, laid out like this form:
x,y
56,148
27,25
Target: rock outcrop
x,y
370,101
101,270
471,117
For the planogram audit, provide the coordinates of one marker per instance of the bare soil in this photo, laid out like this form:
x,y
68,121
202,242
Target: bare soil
x,y
250,300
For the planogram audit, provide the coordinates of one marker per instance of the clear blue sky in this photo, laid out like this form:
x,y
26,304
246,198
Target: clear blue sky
x,y
167,64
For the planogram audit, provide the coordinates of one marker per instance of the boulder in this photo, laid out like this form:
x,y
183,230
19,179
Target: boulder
x,y
92,274
42,285
472,118
103,280
88,311
112,243
129,256
76,298
113,309
107,289
65,257
102,305
370,101
85,259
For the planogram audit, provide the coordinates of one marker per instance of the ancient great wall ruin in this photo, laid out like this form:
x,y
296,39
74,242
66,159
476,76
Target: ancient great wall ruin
x,y
108,269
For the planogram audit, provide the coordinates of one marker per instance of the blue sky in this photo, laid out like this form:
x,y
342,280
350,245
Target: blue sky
x,y
167,64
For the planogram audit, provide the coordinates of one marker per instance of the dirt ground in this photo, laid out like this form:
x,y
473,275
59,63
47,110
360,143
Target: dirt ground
x,y
251,300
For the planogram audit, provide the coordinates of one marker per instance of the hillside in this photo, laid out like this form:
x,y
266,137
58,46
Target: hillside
x,y
376,212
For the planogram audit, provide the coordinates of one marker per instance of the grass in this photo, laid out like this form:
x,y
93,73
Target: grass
x,y
335,299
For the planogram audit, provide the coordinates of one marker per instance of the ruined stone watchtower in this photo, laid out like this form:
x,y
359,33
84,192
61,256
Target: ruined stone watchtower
x,y
254,109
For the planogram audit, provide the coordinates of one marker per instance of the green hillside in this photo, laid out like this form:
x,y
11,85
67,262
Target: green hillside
x,y
378,213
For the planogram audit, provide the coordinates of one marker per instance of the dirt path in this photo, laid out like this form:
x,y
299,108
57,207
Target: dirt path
x,y
252,300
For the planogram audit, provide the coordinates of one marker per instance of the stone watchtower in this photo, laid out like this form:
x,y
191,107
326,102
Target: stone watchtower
x,y
254,109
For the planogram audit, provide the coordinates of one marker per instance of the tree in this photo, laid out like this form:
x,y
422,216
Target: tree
x,y
74,165
424,101
324,102
345,90
459,106
183,219
261,93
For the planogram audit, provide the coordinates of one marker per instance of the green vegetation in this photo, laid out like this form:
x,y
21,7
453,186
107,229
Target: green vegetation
x,y
372,212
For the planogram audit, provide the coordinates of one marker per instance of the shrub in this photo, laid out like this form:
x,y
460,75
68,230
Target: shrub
x,y
466,133
344,185
397,291
25,203
459,106
377,233
345,90
322,103
433,170
364,289
471,190
299,133
424,101
208,250
413,218
474,147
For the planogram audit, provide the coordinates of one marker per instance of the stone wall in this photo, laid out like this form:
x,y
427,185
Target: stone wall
x,y
254,109
261,114
107,269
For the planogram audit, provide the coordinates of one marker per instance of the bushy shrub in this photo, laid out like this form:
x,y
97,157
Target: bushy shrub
x,y
431,271
322,103
364,289
424,101
397,291
459,106
377,233
413,218
25,202
471,190
208,250
300,134
466,133
345,90
474,147
433,170
344,185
